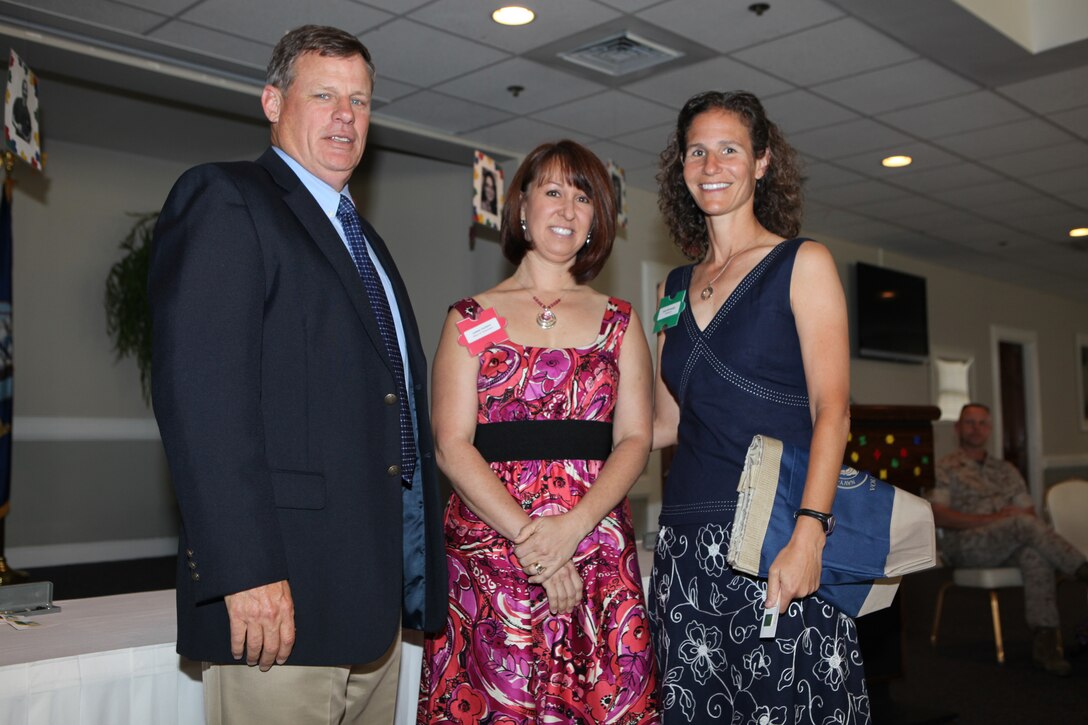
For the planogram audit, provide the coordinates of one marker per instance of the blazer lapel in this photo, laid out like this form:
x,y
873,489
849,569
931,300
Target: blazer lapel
x,y
313,219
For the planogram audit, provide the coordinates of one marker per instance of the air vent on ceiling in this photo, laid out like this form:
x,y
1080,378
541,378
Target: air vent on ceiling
x,y
621,54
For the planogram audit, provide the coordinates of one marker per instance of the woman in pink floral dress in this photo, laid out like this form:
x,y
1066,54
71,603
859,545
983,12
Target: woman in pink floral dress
x,y
542,423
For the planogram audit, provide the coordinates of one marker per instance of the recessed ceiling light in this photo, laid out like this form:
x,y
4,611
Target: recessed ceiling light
x,y
894,162
1079,232
513,15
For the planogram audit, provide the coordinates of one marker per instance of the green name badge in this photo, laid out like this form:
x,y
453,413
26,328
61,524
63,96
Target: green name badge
x,y
669,309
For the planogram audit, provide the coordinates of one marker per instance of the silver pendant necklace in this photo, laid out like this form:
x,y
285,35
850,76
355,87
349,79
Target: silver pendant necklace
x,y
546,319
708,291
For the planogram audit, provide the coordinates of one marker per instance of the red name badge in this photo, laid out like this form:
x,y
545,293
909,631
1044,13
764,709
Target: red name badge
x,y
486,330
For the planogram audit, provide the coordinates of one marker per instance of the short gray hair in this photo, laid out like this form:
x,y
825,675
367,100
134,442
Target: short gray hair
x,y
321,39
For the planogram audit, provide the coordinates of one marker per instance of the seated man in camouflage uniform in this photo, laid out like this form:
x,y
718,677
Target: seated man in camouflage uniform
x,y
989,520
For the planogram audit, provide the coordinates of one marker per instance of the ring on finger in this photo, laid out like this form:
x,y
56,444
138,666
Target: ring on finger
x,y
538,569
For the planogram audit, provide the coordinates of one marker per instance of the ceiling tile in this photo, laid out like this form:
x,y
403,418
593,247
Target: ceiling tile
x,y
524,134
676,87
396,6
942,223
798,111
924,157
907,84
848,195
954,115
166,7
622,156
846,139
608,114
276,17
651,140
1054,92
987,236
821,175
983,195
1009,138
214,43
435,56
1053,227
1075,120
629,6
101,11
727,26
387,89
1037,161
443,112
555,19
831,51
123,17
934,181
901,209
1067,183
543,86
1012,212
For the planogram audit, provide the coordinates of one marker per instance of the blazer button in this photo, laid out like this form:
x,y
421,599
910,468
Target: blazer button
x,y
192,565
196,576
393,470
390,399
189,553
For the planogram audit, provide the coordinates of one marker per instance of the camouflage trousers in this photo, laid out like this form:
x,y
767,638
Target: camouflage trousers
x,y
1025,542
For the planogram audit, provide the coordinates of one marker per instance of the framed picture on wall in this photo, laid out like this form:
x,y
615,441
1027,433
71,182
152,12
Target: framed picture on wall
x,y
619,189
486,191
1082,379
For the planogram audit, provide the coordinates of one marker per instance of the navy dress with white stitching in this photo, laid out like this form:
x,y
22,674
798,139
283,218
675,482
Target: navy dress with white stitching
x,y
740,376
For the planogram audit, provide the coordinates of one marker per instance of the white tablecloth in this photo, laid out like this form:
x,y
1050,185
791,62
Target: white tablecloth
x,y
106,660
111,661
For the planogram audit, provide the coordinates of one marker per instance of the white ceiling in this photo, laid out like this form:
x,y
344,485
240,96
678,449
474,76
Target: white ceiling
x,y
999,135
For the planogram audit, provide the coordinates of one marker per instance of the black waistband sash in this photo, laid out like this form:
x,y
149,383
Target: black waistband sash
x,y
537,440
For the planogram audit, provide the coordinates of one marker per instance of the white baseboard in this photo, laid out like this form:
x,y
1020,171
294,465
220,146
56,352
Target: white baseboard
x,y
1067,461
27,557
33,428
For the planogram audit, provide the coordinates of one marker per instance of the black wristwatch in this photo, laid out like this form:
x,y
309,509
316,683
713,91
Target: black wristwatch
x,y
828,520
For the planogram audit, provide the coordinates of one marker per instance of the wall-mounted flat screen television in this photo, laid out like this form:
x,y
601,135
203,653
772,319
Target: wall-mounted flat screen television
x,y
891,315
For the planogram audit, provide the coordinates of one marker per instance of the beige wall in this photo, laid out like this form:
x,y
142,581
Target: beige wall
x,y
89,478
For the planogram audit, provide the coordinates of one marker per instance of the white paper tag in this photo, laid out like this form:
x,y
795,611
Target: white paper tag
x,y
484,328
18,622
669,310
769,624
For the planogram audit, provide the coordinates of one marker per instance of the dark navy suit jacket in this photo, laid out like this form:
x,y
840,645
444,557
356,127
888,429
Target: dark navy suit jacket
x,y
271,386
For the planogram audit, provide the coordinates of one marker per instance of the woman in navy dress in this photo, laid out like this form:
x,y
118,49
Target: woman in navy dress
x,y
759,346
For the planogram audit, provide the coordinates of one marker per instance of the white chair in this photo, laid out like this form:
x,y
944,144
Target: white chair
x,y
1068,505
990,579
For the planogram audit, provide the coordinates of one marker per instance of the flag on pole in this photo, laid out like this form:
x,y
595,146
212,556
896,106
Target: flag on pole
x,y
7,362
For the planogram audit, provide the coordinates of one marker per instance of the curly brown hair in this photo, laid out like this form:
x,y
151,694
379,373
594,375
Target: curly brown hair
x,y
778,194
578,166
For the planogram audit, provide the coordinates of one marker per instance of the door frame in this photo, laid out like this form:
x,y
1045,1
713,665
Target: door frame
x,y
1029,341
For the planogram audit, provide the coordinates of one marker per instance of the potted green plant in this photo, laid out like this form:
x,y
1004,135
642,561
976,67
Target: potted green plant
x,y
128,317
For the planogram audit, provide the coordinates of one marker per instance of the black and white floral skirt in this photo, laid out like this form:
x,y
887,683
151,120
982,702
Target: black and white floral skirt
x,y
714,667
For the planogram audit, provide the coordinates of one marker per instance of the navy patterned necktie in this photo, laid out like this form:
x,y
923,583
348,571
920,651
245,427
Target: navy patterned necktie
x,y
375,292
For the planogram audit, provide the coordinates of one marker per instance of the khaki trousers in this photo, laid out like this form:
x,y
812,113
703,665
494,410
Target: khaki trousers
x,y
297,695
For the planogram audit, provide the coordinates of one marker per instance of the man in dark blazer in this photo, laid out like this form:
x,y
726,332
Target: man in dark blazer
x,y
289,388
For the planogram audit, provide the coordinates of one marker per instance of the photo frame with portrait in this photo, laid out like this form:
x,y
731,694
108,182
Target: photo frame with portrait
x,y
22,123
487,191
619,189
1082,379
